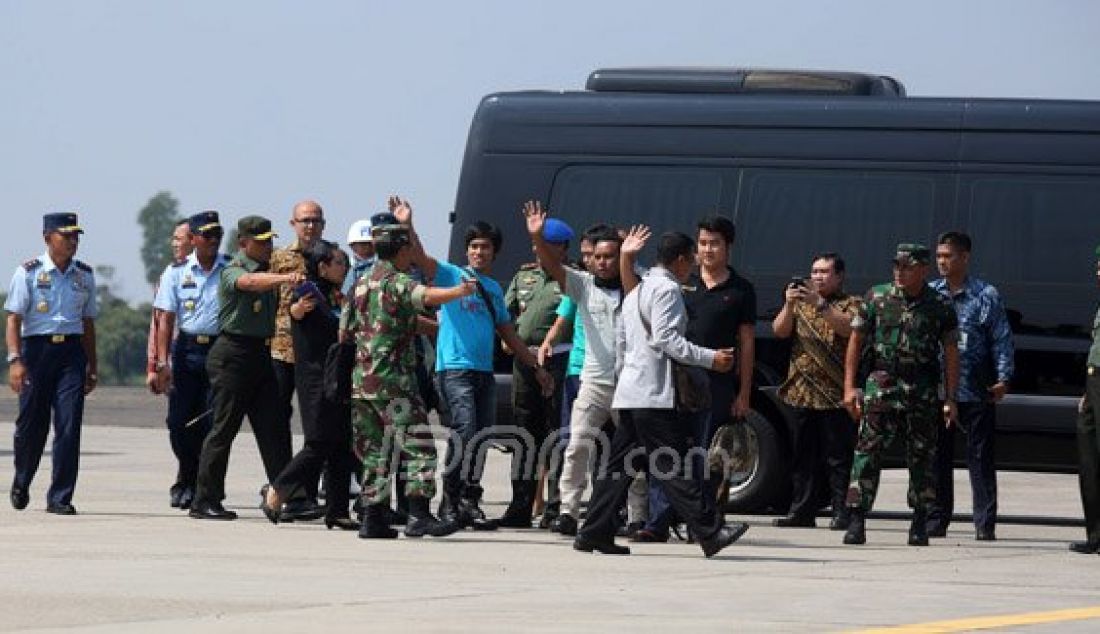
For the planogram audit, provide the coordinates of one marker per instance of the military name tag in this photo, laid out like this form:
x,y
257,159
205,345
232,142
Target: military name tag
x,y
42,307
257,305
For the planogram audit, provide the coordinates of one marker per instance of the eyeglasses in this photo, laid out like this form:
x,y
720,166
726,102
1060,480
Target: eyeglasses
x,y
310,221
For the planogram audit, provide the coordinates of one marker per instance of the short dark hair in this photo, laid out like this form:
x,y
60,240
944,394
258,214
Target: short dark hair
x,y
484,230
673,245
956,239
834,257
719,224
595,231
318,252
388,249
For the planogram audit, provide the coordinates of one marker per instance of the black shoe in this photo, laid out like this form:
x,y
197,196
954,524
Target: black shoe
x,y
272,514
210,511
174,494
840,521
586,545
514,520
565,525
985,535
19,498
421,522
795,521
187,496
644,536
547,519
470,514
856,533
375,524
396,517
724,537
301,511
1089,547
61,509
344,523
629,529
936,530
918,529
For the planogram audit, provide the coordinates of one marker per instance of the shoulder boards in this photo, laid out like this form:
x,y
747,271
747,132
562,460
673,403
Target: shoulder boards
x,y
32,264
83,267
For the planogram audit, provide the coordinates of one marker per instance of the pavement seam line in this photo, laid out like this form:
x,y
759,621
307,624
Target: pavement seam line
x,y
992,622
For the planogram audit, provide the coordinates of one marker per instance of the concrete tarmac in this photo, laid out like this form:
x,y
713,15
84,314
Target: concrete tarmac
x,y
129,563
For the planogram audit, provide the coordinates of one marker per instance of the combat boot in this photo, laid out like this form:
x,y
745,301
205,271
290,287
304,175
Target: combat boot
x,y
421,522
918,529
856,533
375,525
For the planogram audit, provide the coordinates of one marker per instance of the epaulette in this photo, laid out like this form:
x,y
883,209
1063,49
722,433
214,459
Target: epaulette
x,y
83,267
31,265
530,266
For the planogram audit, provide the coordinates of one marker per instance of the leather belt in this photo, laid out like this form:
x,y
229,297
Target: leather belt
x,y
55,338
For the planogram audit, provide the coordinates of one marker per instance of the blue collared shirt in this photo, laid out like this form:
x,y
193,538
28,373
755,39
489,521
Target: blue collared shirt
x,y
357,270
985,338
52,301
192,294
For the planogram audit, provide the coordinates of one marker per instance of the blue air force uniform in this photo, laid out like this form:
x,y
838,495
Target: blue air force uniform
x,y
191,294
54,304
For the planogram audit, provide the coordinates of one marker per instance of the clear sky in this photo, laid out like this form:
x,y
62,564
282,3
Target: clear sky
x,y
249,106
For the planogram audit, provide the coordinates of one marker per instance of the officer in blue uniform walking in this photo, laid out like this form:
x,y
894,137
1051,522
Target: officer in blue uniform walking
x,y
51,361
187,297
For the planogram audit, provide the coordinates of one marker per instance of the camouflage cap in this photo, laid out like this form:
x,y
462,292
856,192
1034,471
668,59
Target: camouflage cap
x,y
255,227
911,253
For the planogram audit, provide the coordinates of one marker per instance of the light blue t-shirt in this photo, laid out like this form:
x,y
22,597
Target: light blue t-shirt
x,y
50,301
567,309
466,328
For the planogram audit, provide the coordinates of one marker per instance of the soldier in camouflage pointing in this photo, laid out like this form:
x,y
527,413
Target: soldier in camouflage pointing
x,y
907,327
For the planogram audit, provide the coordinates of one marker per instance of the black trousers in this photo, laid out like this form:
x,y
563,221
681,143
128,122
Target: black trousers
x,y
652,430
1088,448
824,442
326,426
977,421
536,416
243,384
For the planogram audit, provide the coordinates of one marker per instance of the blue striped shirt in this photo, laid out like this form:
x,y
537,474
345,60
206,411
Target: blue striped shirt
x,y
985,338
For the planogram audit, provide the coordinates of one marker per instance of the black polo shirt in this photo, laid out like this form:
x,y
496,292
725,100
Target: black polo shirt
x,y
714,314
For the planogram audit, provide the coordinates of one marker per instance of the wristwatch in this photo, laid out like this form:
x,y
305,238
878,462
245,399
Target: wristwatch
x,y
13,357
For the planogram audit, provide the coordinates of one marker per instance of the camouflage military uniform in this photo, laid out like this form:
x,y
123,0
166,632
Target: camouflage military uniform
x,y
388,415
288,260
902,339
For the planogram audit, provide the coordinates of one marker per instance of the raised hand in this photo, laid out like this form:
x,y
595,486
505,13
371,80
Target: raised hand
x,y
536,217
401,209
635,240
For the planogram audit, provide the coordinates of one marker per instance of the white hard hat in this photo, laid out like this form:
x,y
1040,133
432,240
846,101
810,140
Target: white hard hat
x,y
359,232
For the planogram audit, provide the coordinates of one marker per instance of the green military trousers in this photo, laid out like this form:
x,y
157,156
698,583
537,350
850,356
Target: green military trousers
x,y
891,410
383,431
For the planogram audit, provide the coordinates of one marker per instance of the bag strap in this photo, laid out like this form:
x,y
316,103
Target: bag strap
x,y
484,295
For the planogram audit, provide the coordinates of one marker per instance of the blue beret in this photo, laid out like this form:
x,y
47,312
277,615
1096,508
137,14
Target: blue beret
x,y
556,231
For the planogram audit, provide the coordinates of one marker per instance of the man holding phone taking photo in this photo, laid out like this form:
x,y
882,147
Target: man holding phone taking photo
x,y
817,317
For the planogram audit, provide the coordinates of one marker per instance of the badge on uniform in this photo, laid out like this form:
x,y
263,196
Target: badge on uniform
x,y
188,282
189,305
43,280
42,306
257,305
